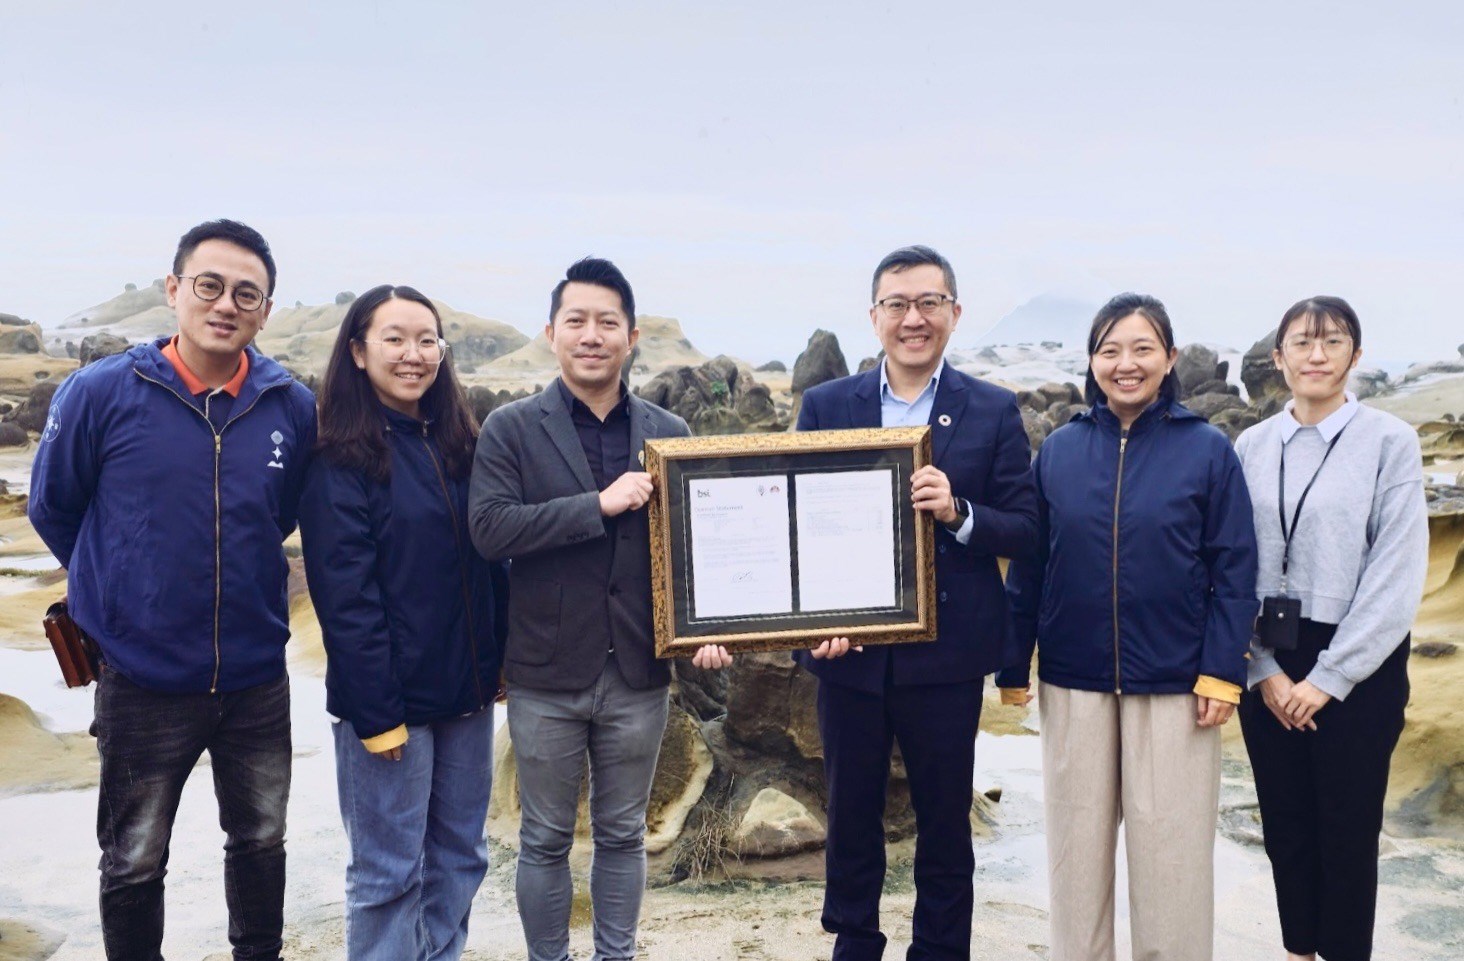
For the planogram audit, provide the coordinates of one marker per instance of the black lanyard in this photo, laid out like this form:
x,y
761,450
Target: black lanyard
x,y
1287,535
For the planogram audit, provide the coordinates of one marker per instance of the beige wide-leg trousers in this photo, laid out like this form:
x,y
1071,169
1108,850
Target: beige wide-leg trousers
x,y
1142,760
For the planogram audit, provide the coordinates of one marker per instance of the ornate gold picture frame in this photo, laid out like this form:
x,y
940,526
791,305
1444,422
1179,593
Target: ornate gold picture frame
x,y
763,542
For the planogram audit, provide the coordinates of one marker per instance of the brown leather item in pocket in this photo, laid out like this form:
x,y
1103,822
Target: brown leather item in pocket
x,y
75,652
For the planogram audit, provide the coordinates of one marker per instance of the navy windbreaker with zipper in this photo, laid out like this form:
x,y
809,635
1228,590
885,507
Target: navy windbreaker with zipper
x,y
412,616
1145,580
170,524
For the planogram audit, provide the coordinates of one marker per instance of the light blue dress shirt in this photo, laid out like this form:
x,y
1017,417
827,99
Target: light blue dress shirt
x,y
895,412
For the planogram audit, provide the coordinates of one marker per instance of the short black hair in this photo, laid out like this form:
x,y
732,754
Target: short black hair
x,y
234,232
601,273
915,255
1149,308
1315,312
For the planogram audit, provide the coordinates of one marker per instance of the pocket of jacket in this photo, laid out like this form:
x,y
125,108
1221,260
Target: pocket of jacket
x,y
533,621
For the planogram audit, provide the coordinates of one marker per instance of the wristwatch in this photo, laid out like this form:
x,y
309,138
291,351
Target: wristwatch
x,y
963,511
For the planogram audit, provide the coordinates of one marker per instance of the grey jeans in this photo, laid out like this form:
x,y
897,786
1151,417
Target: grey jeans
x,y
621,729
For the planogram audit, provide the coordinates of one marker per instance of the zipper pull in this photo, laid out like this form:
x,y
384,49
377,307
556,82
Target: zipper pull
x,y
218,443
1122,441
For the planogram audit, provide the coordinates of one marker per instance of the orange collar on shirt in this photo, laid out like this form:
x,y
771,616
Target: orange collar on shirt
x,y
190,379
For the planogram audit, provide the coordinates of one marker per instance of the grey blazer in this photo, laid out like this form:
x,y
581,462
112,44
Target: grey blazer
x,y
533,500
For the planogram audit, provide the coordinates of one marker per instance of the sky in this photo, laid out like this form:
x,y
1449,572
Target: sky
x,y
748,164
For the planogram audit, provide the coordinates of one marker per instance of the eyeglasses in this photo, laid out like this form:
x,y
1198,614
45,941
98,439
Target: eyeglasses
x,y
928,305
1335,345
394,348
207,287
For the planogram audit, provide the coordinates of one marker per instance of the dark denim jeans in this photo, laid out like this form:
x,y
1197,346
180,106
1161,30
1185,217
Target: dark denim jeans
x,y
149,742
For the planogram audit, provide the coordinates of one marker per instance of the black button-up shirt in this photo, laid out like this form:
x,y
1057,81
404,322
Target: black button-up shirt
x,y
607,447
606,442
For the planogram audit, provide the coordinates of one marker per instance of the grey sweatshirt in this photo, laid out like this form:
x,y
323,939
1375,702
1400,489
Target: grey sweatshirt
x,y
1359,555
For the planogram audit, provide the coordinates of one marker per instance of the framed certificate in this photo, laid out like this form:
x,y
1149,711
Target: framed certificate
x,y
765,542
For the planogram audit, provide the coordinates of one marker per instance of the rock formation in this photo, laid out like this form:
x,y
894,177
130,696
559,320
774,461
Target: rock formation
x,y
485,401
31,413
1259,374
19,336
717,397
96,346
821,360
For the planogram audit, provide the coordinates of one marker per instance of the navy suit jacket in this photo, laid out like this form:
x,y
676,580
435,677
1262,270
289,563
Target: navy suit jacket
x,y
985,452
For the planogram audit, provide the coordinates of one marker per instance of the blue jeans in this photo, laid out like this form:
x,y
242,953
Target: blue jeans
x,y
416,829
621,728
149,742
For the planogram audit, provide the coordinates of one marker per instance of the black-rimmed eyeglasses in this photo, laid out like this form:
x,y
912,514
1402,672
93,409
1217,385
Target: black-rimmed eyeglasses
x,y
210,288
928,305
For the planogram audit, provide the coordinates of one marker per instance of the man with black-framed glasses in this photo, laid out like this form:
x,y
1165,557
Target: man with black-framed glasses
x,y
166,479
924,697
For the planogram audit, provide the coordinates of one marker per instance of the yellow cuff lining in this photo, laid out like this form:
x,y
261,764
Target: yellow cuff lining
x,y
1014,695
396,737
1213,687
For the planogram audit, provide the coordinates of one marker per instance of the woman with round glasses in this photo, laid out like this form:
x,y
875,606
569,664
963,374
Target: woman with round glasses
x,y
412,620
1140,603
1342,524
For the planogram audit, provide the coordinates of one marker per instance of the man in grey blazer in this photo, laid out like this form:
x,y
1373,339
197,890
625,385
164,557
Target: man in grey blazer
x,y
558,488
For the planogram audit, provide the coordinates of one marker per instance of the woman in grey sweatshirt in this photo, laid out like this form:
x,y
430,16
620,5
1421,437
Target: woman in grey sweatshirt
x,y
1325,708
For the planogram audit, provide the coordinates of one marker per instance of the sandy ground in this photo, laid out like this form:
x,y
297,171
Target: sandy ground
x,y
1420,404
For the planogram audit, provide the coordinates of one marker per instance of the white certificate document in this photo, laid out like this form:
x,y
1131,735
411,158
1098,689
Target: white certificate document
x,y
846,540
741,559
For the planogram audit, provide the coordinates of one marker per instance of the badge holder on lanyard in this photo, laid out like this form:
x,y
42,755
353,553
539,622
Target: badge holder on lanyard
x,y
1280,621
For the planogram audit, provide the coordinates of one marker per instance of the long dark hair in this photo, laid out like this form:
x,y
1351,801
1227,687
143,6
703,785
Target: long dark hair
x,y
352,428
1110,314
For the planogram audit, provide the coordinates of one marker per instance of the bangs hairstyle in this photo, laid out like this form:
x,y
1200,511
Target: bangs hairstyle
x,y
352,425
1110,314
1315,312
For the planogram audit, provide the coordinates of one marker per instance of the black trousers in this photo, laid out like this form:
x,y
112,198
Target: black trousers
x,y
1321,798
935,725
149,743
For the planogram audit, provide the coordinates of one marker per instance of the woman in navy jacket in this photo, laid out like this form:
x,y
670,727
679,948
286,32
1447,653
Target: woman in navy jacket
x,y
1141,602
411,618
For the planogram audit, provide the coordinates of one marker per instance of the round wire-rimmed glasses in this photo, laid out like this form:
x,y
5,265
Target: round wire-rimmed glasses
x,y
210,288
395,349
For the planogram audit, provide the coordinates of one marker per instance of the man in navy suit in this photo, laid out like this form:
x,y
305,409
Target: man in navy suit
x,y
926,696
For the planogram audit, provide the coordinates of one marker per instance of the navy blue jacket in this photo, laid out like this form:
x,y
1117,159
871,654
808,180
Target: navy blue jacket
x,y
984,451
1146,576
170,530
411,615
